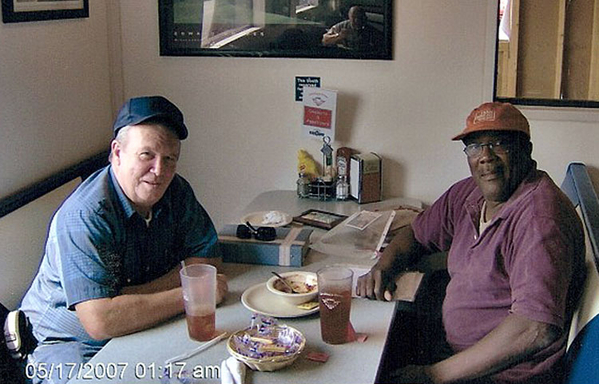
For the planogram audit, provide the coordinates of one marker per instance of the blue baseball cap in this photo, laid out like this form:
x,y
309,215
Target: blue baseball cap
x,y
139,109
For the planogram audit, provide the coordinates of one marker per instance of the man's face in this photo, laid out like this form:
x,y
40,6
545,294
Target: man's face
x,y
357,17
500,170
145,162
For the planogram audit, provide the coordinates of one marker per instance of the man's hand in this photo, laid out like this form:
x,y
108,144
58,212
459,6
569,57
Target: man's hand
x,y
221,288
399,255
333,38
142,306
221,280
376,284
413,374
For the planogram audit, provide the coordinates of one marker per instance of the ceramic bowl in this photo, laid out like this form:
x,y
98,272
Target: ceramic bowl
x,y
304,282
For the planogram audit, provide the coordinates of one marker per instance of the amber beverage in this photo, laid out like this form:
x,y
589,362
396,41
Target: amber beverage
x,y
334,297
199,296
334,316
202,327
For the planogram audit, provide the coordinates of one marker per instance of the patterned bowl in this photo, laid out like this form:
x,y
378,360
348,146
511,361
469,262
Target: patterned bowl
x,y
267,354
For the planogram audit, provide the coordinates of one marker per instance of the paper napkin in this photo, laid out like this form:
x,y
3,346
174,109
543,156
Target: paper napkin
x,y
232,371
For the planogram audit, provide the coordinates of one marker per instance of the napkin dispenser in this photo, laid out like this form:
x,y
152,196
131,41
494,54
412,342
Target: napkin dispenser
x,y
288,249
366,179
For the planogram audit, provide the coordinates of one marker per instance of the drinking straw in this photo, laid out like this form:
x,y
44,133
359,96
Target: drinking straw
x,y
197,350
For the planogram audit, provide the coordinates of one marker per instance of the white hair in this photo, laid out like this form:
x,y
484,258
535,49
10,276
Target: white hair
x,y
122,135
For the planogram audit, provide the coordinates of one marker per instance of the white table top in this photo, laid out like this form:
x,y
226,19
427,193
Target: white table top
x,y
142,353
287,201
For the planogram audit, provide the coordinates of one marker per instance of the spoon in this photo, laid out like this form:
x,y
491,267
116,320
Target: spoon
x,y
284,281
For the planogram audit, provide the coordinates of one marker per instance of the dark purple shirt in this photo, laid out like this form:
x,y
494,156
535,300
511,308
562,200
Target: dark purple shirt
x,y
522,263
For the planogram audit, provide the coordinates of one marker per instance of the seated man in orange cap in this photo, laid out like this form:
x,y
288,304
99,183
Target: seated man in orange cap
x,y
515,259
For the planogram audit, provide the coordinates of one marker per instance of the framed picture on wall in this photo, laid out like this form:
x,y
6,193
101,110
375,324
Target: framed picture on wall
x,y
337,29
16,11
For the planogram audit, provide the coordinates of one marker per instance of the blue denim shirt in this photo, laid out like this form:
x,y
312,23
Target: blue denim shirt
x,y
97,244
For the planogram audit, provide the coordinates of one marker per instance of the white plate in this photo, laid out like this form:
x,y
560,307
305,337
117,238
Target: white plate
x,y
257,219
259,299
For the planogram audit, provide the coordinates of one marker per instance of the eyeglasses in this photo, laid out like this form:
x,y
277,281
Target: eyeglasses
x,y
474,150
245,231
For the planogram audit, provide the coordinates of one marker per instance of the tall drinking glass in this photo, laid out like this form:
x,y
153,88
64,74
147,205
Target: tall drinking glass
x,y
199,295
334,298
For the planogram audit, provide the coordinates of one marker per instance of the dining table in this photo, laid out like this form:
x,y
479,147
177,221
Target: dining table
x,y
143,357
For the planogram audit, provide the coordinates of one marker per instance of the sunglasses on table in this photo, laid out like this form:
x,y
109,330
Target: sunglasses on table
x,y
246,231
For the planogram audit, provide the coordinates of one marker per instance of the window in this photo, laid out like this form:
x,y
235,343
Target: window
x,y
548,52
305,5
504,20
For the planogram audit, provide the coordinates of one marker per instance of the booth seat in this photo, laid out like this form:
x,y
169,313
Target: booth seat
x,y
582,355
23,234
24,221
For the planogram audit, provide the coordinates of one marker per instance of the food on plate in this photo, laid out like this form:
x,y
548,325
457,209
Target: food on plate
x,y
308,306
299,283
305,286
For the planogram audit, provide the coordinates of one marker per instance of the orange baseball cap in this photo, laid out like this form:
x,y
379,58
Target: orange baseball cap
x,y
495,117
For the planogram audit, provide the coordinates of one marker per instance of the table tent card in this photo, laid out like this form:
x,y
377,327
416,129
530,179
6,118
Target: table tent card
x,y
320,113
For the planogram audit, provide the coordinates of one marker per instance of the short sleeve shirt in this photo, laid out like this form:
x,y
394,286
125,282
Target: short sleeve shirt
x,y
97,244
528,261
364,39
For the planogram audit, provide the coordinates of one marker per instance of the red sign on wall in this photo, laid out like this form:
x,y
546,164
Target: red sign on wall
x,y
320,106
318,117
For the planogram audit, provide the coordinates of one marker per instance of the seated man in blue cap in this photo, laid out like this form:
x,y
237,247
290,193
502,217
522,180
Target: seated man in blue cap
x,y
115,246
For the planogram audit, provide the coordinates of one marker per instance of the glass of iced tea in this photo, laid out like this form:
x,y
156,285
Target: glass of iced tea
x,y
334,298
199,295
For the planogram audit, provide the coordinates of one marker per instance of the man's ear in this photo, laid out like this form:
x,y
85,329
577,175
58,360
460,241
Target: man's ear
x,y
528,148
115,148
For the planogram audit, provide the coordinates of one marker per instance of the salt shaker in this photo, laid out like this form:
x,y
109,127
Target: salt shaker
x,y
303,185
342,187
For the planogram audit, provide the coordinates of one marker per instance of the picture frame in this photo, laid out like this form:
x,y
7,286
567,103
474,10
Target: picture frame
x,y
273,28
320,219
17,11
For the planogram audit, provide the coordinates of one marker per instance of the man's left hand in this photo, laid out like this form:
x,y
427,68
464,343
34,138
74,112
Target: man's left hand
x,y
221,287
412,374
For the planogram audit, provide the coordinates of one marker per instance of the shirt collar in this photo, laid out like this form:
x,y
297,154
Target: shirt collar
x,y
122,198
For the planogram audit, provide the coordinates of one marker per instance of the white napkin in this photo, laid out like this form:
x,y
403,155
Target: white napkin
x,y
232,371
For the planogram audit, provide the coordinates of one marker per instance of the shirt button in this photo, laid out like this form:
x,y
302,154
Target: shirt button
x,y
147,268
128,280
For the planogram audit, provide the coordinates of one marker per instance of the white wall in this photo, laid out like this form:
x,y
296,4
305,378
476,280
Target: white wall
x,y
245,124
58,80
55,97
